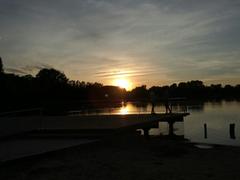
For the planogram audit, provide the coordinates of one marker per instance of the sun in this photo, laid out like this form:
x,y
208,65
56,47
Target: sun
x,y
123,83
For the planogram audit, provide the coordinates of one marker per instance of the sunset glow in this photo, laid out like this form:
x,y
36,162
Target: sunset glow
x,y
123,83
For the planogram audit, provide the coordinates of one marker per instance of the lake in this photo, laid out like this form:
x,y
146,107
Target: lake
x,y
208,122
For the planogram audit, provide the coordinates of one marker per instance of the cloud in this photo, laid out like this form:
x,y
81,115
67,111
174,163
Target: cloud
x,y
119,74
15,71
33,68
99,40
29,69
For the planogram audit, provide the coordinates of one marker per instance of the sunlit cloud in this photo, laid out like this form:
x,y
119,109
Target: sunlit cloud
x,y
113,74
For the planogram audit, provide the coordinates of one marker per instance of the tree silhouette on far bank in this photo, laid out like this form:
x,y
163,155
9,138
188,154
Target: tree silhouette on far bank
x,y
51,77
51,88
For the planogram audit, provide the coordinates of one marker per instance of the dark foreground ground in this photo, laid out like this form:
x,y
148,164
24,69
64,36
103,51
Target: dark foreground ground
x,y
129,157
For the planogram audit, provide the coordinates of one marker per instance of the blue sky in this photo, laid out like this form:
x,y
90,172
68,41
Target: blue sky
x,y
151,42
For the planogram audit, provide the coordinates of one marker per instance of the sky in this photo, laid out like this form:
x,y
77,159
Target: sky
x,y
151,42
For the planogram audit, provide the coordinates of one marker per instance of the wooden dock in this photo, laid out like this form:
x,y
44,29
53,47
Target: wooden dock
x,y
90,123
27,136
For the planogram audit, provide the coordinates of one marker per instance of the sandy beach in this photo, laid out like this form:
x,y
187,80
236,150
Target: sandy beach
x,y
129,157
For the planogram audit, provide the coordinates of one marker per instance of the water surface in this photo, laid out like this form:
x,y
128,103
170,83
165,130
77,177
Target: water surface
x,y
209,122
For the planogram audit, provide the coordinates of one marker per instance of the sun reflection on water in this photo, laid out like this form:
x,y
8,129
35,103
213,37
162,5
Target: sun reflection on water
x,y
127,108
124,110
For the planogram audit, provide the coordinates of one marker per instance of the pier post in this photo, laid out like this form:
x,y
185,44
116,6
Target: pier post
x,y
146,132
232,131
205,131
171,128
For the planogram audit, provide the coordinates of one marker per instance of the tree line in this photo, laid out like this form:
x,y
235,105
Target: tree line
x,y
51,87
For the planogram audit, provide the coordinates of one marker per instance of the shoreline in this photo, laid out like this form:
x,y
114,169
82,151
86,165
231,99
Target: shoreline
x,y
128,157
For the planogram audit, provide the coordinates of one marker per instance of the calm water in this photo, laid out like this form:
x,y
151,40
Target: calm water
x,y
215,116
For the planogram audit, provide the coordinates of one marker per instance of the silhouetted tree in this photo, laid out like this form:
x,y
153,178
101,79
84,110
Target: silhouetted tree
x,y
52,84
139,93
51,76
